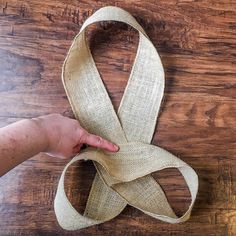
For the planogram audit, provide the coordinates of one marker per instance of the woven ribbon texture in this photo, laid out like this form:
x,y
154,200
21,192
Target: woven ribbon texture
x,y
124,177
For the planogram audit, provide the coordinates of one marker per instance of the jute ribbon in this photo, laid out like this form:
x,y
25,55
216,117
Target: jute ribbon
x,y
124,177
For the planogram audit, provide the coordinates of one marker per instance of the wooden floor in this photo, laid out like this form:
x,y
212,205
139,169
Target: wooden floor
x,y
197,43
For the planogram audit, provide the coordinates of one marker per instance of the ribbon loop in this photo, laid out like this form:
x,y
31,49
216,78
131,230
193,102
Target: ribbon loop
x,y
124,177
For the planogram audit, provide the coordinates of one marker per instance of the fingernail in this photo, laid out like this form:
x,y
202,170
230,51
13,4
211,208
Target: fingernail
x,y
115,147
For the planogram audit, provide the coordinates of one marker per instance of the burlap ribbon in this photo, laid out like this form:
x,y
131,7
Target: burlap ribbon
x,y
123,177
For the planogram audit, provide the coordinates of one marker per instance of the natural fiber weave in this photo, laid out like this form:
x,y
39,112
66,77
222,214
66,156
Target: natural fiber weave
x,y
123,177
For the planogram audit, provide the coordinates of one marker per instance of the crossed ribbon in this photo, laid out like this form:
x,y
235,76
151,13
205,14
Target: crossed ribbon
x,y
124,177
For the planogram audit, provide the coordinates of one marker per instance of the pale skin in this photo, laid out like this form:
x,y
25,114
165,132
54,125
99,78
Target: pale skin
x,y
54,134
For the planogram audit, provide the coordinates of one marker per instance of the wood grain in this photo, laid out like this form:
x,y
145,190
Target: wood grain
x,y
196,41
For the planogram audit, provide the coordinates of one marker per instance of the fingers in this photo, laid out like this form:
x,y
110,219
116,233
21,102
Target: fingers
x,y
77,148
97,141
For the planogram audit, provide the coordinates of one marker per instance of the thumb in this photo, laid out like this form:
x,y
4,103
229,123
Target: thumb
x,y
99,142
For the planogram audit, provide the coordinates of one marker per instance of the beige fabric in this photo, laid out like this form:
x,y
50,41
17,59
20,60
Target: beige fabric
x,y
122,178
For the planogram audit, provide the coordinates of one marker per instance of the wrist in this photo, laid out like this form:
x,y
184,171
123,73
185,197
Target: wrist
x,y
40,124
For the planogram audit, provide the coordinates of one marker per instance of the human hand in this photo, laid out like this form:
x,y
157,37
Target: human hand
x,y
66,136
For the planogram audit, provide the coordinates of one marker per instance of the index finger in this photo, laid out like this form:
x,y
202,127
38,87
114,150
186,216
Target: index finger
x,y
99,142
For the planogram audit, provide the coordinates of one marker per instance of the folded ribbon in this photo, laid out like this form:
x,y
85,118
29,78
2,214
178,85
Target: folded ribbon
x,y
124,177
